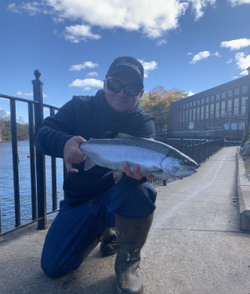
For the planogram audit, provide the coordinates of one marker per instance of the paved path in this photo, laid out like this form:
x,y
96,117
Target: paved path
x,y
194,246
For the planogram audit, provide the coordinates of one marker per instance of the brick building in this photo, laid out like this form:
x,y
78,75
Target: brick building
x,y
222,107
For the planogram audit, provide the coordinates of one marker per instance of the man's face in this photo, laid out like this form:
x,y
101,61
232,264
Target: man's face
x,y
120,101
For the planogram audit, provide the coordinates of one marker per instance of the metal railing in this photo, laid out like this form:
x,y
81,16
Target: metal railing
x,y
37,159
199,149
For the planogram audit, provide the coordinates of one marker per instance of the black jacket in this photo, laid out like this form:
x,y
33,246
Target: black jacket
x,y
90,117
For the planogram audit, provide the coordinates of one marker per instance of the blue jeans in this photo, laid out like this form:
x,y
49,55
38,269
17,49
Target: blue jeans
x,y
75,226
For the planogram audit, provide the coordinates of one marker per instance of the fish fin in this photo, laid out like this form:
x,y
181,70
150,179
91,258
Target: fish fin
x,y
117,175
108,173
88,164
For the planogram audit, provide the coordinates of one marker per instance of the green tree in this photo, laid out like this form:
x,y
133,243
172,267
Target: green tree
x,y
157,103
5,126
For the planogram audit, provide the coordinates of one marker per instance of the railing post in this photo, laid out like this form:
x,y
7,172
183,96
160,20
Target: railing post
x,y
15,159
40,158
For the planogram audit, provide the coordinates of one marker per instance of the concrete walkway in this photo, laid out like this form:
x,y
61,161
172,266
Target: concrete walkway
x,y
195,245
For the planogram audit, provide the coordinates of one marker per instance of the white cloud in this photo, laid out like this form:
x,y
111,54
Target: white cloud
x,y
199,6
190,93
87,83
87,89
161,42
244,72
92,74
153,18
78,33
236,44
229,61
148,66
32,8
201,55
217,54
242,61
86,64
234,77
20,93
239,2
189,53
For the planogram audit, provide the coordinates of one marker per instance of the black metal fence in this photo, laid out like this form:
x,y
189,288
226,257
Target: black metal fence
x,y
198,150
37,159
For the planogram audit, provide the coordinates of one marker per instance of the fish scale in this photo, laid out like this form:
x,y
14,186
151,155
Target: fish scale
x,y
153,157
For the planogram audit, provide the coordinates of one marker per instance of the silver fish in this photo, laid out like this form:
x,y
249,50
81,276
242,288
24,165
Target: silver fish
x,y
153,157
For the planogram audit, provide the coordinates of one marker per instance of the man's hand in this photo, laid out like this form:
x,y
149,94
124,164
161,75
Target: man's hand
x,y
136,174
72,153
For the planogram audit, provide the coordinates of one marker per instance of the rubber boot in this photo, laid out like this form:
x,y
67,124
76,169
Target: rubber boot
x,y
131,236
109,245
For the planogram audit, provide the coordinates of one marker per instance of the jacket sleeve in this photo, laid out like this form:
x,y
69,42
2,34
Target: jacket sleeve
x,y
51,137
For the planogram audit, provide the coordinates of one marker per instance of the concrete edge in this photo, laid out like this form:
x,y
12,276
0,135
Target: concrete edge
x,y
243,191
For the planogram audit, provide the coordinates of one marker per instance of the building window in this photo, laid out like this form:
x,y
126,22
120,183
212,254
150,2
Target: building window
x,y
212,98
207,112
244,89
198,113
229,107
183,106
217,96
202,112
217,110
223,95
194,103
241,126
186,105
236,91
229,93
198,102
223,109
243,105
186,115
236,106
190,104
207,99
202,101
194,111
190,114
183,115
211,110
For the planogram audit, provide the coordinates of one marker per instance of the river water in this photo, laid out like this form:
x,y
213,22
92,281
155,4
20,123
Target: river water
x,y
7,205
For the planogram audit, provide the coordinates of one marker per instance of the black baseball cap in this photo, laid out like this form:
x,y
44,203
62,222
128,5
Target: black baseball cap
x,y
128,64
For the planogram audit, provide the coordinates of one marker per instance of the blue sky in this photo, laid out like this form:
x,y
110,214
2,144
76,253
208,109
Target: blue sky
x,y
192,45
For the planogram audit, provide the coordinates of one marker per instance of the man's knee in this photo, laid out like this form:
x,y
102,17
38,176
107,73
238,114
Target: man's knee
x,y
133,201
51,270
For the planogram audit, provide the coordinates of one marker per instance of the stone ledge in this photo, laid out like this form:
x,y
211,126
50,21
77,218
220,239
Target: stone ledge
x,y
243,189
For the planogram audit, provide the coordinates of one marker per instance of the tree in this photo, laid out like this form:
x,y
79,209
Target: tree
x,y
5,127
157,103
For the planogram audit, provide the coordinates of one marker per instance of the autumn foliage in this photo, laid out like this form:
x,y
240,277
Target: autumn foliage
x,y
157,103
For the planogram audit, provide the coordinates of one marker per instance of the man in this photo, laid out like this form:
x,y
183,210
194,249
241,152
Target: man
x,y
93,202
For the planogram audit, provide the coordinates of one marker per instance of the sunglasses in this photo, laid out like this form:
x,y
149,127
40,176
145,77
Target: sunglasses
x,y
129,90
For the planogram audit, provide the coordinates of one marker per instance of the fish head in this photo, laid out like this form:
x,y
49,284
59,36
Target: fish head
x,y
179,166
